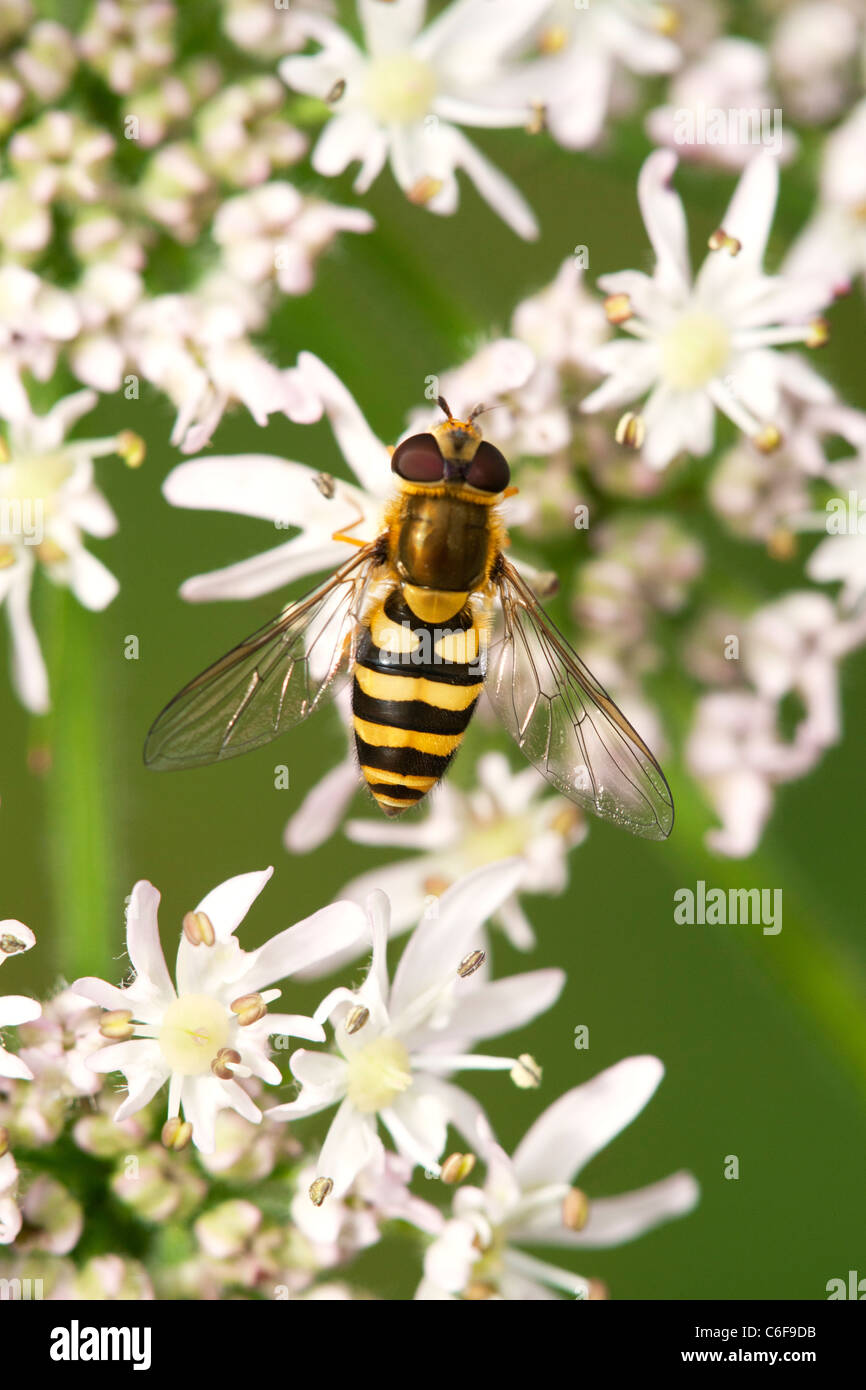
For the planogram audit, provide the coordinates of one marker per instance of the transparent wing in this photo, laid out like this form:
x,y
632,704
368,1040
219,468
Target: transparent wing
x,y
270,681
566,724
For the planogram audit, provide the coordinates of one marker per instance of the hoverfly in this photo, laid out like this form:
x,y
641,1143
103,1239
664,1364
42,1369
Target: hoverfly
x,y
424,618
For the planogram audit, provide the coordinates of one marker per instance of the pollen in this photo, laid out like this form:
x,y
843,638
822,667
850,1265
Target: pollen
x,y
399,89
194,1029
694,351
378,1074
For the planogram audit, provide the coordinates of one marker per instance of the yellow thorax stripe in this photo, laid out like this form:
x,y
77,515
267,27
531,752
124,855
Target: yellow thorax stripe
x,y
381,736
434,605
381,686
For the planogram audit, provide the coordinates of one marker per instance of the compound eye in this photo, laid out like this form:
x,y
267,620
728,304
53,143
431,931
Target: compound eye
x,y
488,470
419,460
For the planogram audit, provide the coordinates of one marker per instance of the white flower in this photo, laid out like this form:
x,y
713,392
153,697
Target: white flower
x,y
397,1041
707,344
214,1024
585,49
36,318
834,240
195,347
340,1227
291,494
48,502
795,645
14,1009
275,232
814,53
720,108
403,95
507,814
530,1199
737,754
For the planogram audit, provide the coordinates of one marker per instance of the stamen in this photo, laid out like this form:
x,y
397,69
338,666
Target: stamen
x,y
782,544
720,241
538,120
457,1167
176,1133
665,20
326,485
553,39
819,333
131,448
336,91
435,886
618,308
478,1290
575,1209
249,1009
117,1025
198,929
598,1291
223,1062
768,439
526,1073
356,1019
471,963
7,554
4,1141
10,945
319,1190
50,553
424,190
630,430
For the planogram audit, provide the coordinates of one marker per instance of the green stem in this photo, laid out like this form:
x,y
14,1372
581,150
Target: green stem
x,y
80,832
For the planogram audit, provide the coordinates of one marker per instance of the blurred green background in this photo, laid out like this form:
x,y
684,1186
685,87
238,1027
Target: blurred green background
x,y
763,1038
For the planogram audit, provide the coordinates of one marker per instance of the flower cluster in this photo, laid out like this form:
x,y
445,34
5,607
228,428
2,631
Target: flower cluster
x,y
249,1207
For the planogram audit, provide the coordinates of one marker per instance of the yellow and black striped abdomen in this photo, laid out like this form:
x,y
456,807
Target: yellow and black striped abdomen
x,y
415,687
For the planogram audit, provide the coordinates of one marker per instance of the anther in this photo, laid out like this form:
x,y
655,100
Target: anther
x,y
116,1025
131,448
176,1133
198,929
326,485
10,945
630,430
249,1009
538,119
618,308
457,1167
526,1073
478,1290
471,963
336,91
424,190
4,1141
356,1019
575,1209
320,1189
720,241
768,439
819,333
223,1062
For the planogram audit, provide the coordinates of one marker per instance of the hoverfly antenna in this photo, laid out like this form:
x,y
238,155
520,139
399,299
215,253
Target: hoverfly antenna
x,y
444,406
476,411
